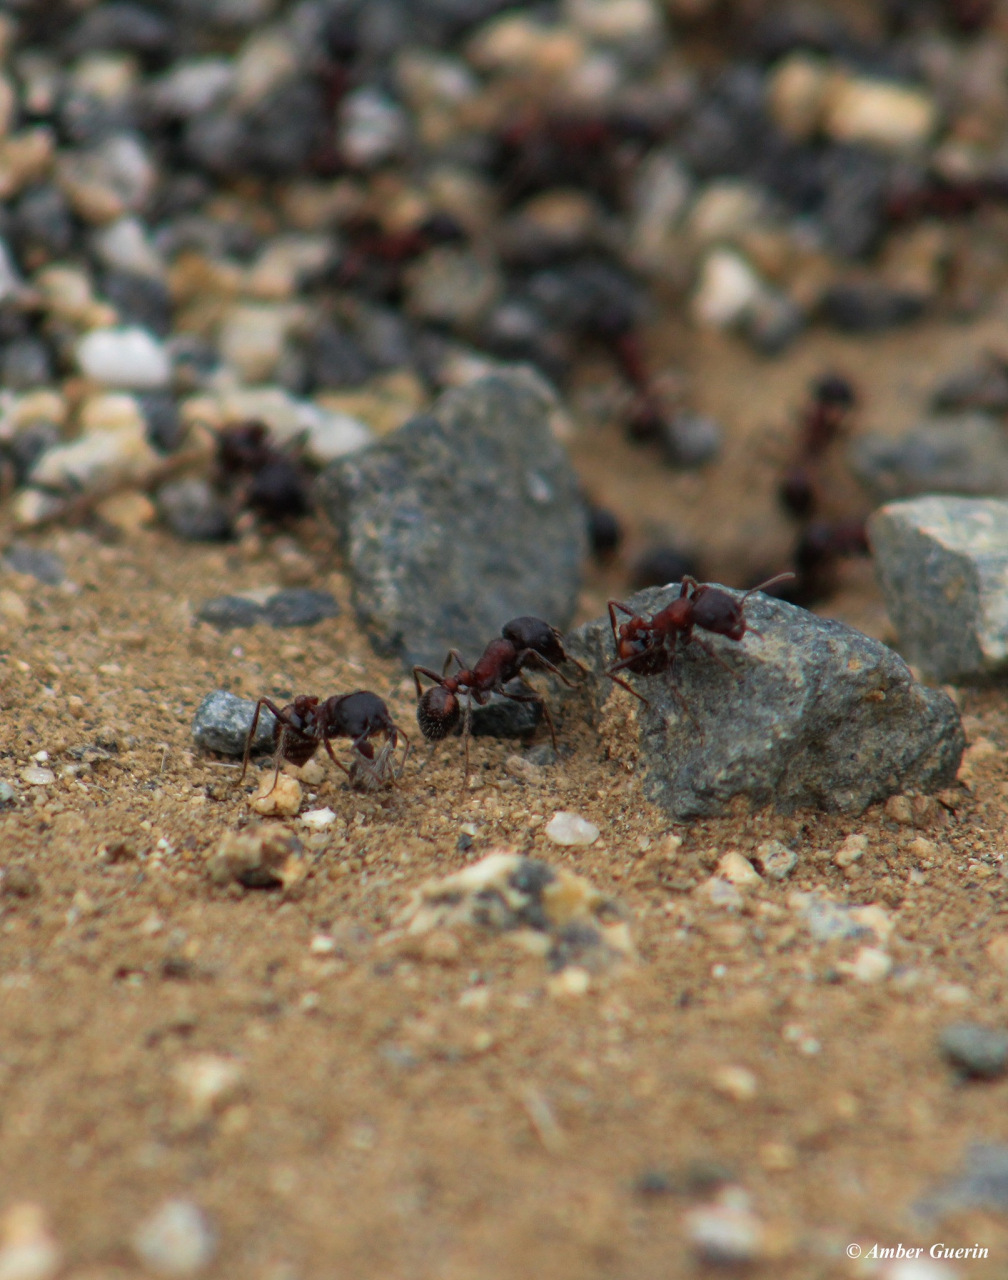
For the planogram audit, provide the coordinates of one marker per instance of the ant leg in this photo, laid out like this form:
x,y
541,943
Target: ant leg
x,y
409,747
613,606
466,722
280,718
629,688
332,756
527,655
717,657
452,653
431,675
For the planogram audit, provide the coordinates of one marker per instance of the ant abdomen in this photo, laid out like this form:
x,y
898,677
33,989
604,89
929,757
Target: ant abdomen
x,y
438,713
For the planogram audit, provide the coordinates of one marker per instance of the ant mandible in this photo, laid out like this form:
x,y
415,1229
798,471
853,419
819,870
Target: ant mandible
x,y
649,646
306,724
523,641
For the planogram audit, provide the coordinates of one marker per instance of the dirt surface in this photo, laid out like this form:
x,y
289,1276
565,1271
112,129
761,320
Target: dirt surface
x,y
452,1116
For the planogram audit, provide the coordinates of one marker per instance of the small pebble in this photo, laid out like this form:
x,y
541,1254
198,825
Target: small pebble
x,y
318,819
128,357
279,800
979,1052
870,964
223,720
571,829
737,1083
19,880
28,1250
727,1232
44,566
206,1082
853,849
738,870
36,776
775,860
176,1240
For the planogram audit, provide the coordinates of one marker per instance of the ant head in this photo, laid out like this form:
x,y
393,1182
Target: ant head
x,y
302,708
717,611
533,633
437,713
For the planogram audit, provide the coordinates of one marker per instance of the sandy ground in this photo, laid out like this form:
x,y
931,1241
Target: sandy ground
x,y
394,1116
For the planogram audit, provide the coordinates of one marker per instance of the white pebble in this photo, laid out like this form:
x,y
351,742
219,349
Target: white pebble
x,y
738,870
318,819
27,1250
571,828
372,127
726,1232
775,859
871,964
126,357
206,1082
852,849
125,245
332,435
176,1240
36,776
727,291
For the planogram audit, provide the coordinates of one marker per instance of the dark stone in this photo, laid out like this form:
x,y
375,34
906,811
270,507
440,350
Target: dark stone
x,y
809,714
227,612
43,566
336,360
505,718
165,430
604,531
660,565
299,607
691,440
222,724
978,1052
869,307
984,387
463,519
121,27
192,510
42,226
25,363
139,300
982,1184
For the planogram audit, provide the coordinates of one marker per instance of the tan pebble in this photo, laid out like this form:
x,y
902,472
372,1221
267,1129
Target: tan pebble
x,y
997,951
280,801
869,965
775,859
899,809
852,850
312,774
738,870
572,981
718,892
441,947
12,607
922,847
27,1248
879,113
36,776
737,1083
524,770
207,1082
980,750
112,411
127,512
777,1157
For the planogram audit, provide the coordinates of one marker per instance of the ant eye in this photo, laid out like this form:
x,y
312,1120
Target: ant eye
x,y
438,713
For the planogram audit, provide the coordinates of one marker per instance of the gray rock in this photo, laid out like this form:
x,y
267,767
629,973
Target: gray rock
x,y
299,607
43,566
504,718
976,1051
227,612
192,510
461,520
811,713
962,453
222,722
983,1184
691,440
943,566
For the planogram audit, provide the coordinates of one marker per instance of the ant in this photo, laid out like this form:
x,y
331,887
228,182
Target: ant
x,y
306,723
259,475
522,641
823,422
649,646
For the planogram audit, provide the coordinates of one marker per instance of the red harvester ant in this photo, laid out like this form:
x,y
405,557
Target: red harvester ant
x,y
523,641
823,422
649,646
305,724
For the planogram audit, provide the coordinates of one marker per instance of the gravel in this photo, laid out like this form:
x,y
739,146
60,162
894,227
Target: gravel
x,y
811,713
963,454
222,724
463,519
978,1052
942,563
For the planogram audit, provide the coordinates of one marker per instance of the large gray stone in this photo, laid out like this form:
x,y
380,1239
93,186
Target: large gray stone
x,y
811,714
964,453
461,520
222,722
943,566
